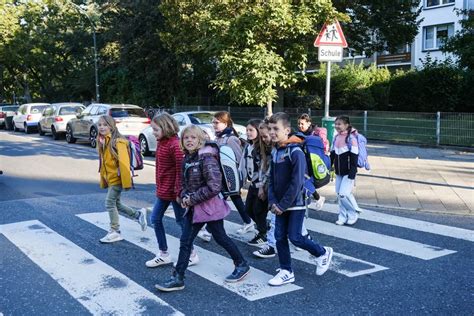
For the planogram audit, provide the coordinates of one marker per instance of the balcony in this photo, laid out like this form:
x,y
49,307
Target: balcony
x,y
394,59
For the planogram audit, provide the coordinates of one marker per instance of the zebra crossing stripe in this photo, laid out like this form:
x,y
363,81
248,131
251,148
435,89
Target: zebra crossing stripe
x,y
214,267
414,224
94,284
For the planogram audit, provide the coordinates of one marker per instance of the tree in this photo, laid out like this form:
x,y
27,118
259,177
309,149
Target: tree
x,y
255,48
462,43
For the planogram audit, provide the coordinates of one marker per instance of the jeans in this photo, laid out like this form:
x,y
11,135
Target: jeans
x,y
271,232
114,206
346,201
239,204
157,220
257,210
190,231
288,226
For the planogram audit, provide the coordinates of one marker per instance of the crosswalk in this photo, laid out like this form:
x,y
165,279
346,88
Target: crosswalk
x,y
103,289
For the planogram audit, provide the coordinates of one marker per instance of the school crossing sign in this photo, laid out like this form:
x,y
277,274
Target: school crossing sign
x,y
330,42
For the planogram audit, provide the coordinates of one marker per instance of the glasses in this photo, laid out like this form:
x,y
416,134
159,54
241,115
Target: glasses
x,y
215,122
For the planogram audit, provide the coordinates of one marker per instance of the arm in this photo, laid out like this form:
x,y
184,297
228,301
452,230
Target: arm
x,y
271,196
124,164
178,159
298,166
213,181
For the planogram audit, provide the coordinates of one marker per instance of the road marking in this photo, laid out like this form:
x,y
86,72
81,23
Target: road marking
x,y
97,286
214,267
419,225
342,264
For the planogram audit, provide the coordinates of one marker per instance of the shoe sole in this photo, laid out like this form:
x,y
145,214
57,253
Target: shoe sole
x,y
237,280
329,263
110,241
165,289
286,282
257,245
159,265
264,256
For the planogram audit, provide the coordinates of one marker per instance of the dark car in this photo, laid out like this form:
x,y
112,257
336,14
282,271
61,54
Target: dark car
x,y
6,115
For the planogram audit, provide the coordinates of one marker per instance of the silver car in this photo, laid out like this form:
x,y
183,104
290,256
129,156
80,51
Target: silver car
x,y
56,116
130,120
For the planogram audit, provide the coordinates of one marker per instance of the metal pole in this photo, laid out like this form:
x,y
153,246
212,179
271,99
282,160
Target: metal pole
x,y
328,89
365,122
438,127
96,68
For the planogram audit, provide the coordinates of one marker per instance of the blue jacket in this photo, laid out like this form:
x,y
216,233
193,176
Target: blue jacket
x,y
287,176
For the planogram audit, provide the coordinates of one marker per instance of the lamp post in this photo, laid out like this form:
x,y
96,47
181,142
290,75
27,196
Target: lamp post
x,y
96,68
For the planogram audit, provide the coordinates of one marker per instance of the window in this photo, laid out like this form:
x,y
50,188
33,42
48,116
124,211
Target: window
x,y
94,110
127,112
180,119
435,3
435,36
70,110
102,110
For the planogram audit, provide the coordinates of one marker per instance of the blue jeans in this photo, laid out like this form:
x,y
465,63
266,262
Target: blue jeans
x,y
288,226
157,220
347,203
190,231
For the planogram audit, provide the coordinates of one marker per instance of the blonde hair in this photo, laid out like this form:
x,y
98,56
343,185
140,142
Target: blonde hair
x,y
167,123
264,148
114,136
196,130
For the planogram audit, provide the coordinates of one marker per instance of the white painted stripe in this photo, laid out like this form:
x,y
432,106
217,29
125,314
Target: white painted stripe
x,y
97,286
340,263
419,225
213,267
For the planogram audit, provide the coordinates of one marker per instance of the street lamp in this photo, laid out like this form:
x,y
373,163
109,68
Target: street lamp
x,y
97,95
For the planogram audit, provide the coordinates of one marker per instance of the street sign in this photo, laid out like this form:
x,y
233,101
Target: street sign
x,y
330,53
331,35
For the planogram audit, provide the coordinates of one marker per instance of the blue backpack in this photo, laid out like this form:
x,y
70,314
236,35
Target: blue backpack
x,y
363,159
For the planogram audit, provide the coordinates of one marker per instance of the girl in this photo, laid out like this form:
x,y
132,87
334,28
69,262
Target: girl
x,y
115,176
249,166
344,155
169,159
205,205
226,134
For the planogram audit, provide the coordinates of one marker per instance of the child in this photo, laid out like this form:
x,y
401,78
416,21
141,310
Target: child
x,y
115,176
226,134
202,184
169,160
286,200
255,206
344,155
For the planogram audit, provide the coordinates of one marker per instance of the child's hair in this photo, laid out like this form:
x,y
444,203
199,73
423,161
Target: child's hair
x,y
114,135
167,123
193,129
304,117
224,117
345,119
280,116
255,123
264,148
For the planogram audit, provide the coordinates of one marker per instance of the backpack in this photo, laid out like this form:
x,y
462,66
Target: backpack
x,y
323,133
363,158
136,157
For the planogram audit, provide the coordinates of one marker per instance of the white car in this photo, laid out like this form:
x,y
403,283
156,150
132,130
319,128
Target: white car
x,y
28,116
201,118
56,116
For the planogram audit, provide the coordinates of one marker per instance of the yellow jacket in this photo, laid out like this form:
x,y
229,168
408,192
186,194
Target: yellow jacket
x,y
113,172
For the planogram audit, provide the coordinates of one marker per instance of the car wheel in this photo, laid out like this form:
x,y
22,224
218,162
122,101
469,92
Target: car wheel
x,y
93,137
27,130
144,146
40,130
55,135
69,136
14,127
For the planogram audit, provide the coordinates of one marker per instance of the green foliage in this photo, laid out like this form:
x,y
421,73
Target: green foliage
x,y
462,43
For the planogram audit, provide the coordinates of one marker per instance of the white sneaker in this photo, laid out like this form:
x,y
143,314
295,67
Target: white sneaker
x,y
158,261
319,203
112,236
193,260
246,228
205,235
352,221
142,219
340,222
323,262
283,277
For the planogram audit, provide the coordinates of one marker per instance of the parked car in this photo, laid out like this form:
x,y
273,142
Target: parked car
x,y
7,111
28,116
201,118
130,120
56,116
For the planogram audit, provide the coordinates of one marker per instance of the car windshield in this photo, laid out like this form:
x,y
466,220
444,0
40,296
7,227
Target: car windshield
x,y
201,118
70,110
37,108
124,112
9,108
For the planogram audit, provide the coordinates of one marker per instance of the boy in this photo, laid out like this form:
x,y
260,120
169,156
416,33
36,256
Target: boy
x,y
286,200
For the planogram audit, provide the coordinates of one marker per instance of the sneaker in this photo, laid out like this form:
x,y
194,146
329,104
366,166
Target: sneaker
x,y
159,260
112,236
283,277
175,283
246,228
193,260
142,219
239,273
340,222
305,236
258,241
352,221
265,252
319,203
205,235
323,262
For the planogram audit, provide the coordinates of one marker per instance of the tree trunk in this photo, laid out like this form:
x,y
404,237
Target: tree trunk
x,y
269,108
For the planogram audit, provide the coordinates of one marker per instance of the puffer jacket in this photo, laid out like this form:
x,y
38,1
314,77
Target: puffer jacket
x,y
168,172
202,178
113,172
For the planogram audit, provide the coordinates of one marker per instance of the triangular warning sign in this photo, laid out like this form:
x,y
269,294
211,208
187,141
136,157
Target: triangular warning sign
x,y
331,35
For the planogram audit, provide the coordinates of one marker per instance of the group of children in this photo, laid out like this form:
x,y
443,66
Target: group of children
x,y
189,177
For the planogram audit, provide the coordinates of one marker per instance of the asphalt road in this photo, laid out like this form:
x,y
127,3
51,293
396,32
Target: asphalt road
x,y
51,262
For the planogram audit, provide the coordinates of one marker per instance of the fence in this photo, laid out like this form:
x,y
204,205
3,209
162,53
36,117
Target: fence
x,y
441,128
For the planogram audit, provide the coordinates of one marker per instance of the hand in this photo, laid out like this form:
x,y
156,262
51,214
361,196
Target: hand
x,y
276,210
186,201
262,195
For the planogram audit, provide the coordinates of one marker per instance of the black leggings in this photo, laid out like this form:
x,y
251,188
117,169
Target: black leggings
x,y
257,210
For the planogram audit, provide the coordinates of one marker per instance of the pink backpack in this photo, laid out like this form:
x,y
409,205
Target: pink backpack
x,y
323,133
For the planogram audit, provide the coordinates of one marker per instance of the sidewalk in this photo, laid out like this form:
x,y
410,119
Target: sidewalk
x,y
415,178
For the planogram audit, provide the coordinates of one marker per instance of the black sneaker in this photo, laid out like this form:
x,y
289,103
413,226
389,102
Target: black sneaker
x,y
175,283
239,273
258,240
265,252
